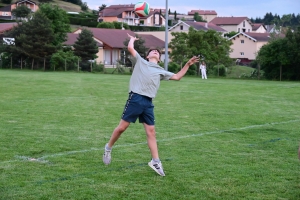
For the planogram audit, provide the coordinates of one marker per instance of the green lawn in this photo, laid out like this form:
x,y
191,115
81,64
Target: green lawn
x,y
218,139
237,71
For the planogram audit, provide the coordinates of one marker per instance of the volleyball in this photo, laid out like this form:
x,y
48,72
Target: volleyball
x,y
142,9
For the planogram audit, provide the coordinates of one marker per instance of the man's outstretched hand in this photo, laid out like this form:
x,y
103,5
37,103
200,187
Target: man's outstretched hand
x,y
193,60
131,37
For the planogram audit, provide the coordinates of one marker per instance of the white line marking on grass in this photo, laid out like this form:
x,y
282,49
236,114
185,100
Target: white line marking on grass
x,y
54,98
42,159
26,158
228,130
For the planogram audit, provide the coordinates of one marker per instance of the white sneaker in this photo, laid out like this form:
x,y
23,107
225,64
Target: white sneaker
x,y
106,156
157,167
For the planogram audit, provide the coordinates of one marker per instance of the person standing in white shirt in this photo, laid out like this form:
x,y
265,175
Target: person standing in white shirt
x,y
203,70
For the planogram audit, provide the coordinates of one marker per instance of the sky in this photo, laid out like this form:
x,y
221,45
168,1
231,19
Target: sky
x,y
224,8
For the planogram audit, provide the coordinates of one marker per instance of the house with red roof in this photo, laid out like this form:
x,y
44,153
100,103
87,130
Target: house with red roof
x,y
185,25
153,19
207,15
4,27
111,43
258,28
237,24
5,12
245,46
125,13
119,13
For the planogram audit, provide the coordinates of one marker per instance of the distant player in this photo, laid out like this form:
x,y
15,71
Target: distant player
x,y
203,70
144,84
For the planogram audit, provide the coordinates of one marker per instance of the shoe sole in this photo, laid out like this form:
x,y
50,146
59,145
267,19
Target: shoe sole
x,y
106,163
152,167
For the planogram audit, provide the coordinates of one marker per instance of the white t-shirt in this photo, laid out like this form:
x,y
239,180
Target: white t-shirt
x,y
146,76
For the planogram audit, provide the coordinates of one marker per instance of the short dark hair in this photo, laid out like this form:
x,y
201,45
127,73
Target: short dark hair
x,y
158,50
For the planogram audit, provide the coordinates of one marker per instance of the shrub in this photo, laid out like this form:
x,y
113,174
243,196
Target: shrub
x,y
63,60
254,64
192,70
98,67
106,25
219,70
173,67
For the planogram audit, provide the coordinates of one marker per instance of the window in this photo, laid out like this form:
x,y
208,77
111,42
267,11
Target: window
x,y
181,27
156,19
238,29
242,53
248,30
242,41
243,23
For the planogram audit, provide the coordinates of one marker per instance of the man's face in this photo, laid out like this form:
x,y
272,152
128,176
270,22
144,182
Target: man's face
x,y
154,54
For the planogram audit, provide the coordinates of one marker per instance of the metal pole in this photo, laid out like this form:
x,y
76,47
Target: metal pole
x,y
166,37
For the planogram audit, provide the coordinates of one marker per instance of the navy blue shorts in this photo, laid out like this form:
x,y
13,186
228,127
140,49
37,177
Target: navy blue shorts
x,y
139,106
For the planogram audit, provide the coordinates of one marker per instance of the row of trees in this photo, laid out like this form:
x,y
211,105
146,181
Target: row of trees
x,y
280,58
210,45
290,20
41,38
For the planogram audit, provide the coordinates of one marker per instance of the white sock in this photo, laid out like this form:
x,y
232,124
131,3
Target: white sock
x,y
155,160
107,148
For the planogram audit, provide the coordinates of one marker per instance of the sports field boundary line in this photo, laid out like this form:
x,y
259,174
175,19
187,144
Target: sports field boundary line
x,y
43,158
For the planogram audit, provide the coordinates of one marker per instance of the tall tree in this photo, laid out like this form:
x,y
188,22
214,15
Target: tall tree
x,y
102,7
198,18
280,58
286,20
59,22
21,11
33,38
294,21
84,7
210,44
86,47
180,49
268,18
139,46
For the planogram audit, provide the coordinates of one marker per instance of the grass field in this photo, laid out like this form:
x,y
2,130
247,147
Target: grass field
x,y
237,71
218,139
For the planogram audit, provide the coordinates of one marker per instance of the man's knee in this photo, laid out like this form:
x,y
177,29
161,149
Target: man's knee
x,y
150,130
123,125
